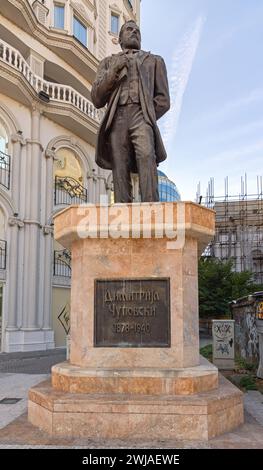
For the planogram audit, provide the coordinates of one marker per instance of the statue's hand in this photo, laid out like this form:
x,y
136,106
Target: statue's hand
x,y
118,66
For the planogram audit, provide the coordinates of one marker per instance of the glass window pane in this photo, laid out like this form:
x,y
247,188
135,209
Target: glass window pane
x,y
2,144
114,24
59,16
79,31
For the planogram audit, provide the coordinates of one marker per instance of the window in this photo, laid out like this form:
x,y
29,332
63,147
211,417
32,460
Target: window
x,y
114,23
79,31
3,140
59,16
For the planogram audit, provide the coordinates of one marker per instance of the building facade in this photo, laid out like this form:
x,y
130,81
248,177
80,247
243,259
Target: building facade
x,y
239,235
49,54
239,227
168,191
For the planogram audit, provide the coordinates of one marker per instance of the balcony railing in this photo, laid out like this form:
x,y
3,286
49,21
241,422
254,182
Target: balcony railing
x,y
62,263
53,92
4,170
69,191
3,250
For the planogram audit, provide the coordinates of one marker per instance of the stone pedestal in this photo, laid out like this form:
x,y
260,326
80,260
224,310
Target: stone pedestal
x,y
132,387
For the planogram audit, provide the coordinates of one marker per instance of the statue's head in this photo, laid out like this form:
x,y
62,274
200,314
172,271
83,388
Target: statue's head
x,y
130,36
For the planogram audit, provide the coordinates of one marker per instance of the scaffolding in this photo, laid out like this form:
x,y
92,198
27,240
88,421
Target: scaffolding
x,y
239,227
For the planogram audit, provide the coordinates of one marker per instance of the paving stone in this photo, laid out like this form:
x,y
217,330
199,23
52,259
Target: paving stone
x,y
34,362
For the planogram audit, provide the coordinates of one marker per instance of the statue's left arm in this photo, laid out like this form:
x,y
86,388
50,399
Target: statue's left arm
x,y
161,89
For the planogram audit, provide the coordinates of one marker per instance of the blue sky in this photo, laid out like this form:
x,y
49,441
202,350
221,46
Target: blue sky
x,y
213,53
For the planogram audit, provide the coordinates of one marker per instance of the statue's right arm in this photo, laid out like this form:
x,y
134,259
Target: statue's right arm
x,y
105,83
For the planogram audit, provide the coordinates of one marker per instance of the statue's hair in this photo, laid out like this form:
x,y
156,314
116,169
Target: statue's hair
x,y
124,25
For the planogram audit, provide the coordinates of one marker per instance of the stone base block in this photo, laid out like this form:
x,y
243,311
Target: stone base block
x,y
143,381
112,416
28,340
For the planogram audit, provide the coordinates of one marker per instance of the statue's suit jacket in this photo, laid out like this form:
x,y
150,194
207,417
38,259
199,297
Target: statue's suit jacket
x,y
154,99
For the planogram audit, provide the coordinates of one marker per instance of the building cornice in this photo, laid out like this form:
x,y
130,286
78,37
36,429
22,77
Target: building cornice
x,y
130,9
67,47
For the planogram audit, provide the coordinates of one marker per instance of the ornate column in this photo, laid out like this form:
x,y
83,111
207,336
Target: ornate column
x,y
37,259
15,256
92,180
47,307
12,319
47,233
102,187
18,142
32,226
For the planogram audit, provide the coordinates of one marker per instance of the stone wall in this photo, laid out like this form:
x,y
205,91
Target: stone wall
x,y
244,312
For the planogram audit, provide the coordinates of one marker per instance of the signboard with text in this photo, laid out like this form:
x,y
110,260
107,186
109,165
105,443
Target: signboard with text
x,y
132,313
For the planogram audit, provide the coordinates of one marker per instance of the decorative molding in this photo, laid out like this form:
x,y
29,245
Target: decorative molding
x,y
114,35
36,142
92,175
48,230
41,11
32,222
115,8
115,41
130,8
36,108
90,5
60,281
95,9
58,31
73,141
7,115
14,221
75,145
20,84
40,4
7,204
18,138
125,18
50,154
82,12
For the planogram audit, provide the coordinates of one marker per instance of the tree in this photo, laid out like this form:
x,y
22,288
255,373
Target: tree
x,y
219,284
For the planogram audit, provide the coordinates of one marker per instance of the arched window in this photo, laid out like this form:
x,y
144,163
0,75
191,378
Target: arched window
x,y
68,178
4,158
3,140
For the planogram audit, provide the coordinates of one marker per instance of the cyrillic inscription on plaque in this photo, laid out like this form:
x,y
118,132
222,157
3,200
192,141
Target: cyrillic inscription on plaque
x,y
132,313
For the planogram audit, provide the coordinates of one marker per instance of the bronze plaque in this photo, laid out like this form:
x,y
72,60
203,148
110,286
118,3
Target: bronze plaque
x,y
132,313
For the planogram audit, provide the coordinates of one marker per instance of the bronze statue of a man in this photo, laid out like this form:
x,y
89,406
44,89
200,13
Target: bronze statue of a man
x,y
134,86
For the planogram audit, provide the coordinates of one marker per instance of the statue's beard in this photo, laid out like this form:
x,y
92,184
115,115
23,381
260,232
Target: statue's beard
x,y
132,43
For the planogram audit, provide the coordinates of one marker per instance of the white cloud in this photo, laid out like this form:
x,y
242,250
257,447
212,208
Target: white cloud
x,y
236,153
231,107
181,68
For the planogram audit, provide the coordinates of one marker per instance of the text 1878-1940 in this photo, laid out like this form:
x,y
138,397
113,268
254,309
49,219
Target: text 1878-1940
x,y
132,313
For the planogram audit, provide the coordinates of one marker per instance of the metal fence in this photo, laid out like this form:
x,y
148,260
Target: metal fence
x,y
69,191
62,263
5,170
